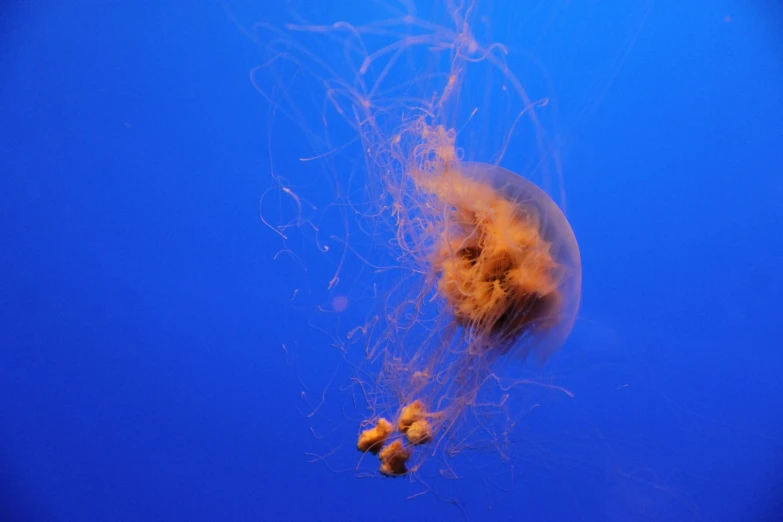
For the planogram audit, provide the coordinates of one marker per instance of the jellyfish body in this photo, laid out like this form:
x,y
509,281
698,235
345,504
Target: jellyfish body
x,y
508,261
507,266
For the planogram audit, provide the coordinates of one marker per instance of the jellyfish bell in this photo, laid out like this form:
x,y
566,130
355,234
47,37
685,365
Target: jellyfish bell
x,y
506,260
543,271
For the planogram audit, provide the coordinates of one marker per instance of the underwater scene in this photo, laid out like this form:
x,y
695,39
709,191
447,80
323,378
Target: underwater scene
x,y
391,260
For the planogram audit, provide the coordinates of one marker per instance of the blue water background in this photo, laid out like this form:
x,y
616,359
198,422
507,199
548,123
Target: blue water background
x,y
141,369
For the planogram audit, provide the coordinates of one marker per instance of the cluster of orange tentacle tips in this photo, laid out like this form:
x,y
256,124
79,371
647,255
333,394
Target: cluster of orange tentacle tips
x,y
394,455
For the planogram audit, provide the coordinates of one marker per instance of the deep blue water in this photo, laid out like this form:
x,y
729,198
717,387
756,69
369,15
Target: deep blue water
x,y
142,313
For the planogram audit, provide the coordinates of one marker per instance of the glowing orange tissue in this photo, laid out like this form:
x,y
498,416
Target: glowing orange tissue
x,y
372,439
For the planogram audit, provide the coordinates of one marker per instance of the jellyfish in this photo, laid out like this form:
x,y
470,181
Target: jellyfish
x,y
481,269
507,266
